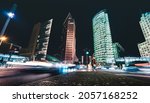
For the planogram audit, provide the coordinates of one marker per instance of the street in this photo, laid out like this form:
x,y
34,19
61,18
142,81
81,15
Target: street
x,y
95,78
142,76
43,76
20,75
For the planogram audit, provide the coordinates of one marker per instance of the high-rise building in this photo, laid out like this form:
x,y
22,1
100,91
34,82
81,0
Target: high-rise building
x,y
43,40
117,50
33,39
144,47
103,50
69,39
39,41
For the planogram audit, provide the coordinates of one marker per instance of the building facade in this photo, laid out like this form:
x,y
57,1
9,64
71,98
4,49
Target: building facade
x,y
144,48
43,40
103,50
38,44
118,50
69,39
33,39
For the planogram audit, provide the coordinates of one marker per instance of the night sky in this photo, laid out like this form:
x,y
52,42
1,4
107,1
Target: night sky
x,y
124,17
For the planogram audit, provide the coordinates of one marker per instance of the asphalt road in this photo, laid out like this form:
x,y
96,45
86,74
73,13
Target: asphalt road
x,y
41,76
20,75
95,78
141,76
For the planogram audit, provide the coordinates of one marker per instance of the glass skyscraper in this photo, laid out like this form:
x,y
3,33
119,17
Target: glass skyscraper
x,y
144,47
103,50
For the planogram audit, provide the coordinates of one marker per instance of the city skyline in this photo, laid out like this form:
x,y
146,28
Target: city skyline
x,y
123,23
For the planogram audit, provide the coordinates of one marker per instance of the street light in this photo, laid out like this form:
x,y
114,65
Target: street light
x,y
10,16
2,39
87,57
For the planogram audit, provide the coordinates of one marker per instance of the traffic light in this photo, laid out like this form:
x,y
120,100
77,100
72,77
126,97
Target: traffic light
x,y
87,53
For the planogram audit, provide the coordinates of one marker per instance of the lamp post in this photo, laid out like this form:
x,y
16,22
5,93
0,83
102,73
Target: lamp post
x,y
10,16
87,57
3,38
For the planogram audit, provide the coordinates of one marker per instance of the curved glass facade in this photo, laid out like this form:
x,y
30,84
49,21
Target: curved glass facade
x,y
103,49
